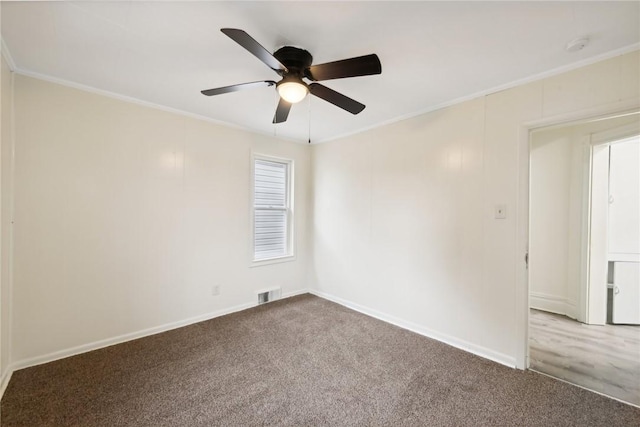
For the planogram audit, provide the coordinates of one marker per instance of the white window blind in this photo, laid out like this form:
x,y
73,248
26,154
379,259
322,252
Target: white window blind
x,y
271,209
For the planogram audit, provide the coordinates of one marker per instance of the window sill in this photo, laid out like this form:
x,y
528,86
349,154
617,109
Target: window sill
x,y
269,261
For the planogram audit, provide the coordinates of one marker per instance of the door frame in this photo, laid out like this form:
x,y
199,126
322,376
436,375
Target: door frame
x,y
616,109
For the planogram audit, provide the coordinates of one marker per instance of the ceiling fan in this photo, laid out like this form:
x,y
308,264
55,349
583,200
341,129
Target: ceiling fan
x,y
293,64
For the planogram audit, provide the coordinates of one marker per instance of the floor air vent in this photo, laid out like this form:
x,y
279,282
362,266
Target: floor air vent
x,y
268,296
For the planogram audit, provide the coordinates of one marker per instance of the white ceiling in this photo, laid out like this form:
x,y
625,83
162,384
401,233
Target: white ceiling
x,y
431,52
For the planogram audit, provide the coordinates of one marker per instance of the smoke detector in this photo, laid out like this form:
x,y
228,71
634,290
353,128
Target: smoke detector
x,y
577,44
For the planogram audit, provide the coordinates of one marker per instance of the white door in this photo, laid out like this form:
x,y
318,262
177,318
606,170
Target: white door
x,y
624,200
626,292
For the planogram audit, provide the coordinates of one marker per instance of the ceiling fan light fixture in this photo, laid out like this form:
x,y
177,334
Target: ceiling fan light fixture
x,y
292,90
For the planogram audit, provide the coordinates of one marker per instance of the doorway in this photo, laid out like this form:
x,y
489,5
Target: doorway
x,y
584,250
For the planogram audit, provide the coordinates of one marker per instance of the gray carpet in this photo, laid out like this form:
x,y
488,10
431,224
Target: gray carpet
x,y
303,361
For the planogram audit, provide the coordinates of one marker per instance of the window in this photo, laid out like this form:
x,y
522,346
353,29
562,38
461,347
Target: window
x,y
272,209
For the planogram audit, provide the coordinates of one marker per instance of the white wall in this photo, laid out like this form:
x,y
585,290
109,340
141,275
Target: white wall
x,y
552,153
6,147
404,222
559,182
126,216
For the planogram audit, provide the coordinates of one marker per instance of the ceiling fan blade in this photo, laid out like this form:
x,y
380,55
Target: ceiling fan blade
x,y
353,67
336,98
282,112
235,88
249,43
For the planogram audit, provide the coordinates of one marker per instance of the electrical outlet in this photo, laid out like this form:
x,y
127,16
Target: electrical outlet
x,y
215,290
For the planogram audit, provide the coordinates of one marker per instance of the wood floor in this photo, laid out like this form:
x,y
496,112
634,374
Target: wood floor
x,y
601,358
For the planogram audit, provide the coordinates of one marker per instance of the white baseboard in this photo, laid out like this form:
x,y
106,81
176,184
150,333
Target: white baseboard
x,y
484,352
447,339
84,348
4,380
552,304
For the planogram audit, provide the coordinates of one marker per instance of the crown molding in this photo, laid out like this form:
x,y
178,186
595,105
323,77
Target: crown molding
x,y
137,101
495,89
6,53
536,77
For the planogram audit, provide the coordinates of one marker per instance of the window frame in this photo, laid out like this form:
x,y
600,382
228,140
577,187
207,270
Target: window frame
x,y
289,209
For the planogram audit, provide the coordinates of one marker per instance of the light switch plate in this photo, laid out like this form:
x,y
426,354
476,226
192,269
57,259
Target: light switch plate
x,y
500,212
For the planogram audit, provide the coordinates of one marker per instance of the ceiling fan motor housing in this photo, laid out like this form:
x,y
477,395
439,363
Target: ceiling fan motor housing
x,y
295,59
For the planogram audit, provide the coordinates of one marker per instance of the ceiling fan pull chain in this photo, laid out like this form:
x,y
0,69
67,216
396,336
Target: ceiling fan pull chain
x,y
309,117
277,101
